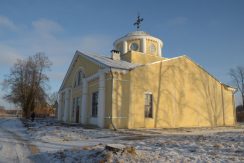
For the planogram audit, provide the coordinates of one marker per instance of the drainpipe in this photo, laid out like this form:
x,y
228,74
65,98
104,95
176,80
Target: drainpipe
x,y
223,106
233,103
110,117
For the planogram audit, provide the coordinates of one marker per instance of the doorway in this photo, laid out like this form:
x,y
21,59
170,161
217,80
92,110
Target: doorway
x,y
77,119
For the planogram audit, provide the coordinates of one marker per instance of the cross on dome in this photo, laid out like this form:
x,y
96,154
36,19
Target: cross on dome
x,y
138,22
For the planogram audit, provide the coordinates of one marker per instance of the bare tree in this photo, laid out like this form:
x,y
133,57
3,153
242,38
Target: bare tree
x,y
53,97
26,84
237,76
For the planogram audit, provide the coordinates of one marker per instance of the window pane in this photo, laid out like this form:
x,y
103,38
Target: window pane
x,y
79,77
73,107
148,105
94,104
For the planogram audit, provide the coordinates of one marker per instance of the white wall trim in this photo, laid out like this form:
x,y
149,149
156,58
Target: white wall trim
x,y
159,49
93,120
92,77
59,105
84,102
125,47
66,104
71,106
96,75
143,45
99,121
128,38
101,99
119,71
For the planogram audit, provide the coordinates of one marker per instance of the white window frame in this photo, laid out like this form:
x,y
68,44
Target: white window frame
x,y
148,105
92,105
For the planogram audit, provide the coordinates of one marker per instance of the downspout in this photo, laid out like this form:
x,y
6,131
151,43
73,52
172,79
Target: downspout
x,y
233,103
223,104
110,117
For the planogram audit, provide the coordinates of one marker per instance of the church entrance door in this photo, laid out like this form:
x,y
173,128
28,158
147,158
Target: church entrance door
x,y
77,114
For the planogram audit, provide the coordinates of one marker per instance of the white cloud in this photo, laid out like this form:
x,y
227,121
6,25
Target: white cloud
x,y
42,36
7,23
46,26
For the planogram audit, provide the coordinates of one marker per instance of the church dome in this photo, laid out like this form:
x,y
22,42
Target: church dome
x,y
137,33
139,41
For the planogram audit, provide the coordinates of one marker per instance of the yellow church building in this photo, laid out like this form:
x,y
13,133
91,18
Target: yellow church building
x,y
139,88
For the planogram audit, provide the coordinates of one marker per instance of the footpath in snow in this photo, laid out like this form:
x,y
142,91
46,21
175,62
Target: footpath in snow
x,y
64,143
15,144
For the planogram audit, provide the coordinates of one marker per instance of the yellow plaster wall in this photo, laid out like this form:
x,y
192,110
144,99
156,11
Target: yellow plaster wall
x,y
184,95
77,91
88,67
140,58
120,100
108,100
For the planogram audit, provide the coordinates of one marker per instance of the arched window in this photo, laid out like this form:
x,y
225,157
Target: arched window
x,y
78,78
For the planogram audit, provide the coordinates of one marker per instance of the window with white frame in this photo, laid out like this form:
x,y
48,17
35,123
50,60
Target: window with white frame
x,y
94,104
78,78
148,105
73,108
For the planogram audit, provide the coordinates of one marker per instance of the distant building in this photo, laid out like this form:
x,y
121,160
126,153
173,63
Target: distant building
x,y
139,88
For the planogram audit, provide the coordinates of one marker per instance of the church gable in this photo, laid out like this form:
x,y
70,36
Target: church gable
x,y
90,64
79,63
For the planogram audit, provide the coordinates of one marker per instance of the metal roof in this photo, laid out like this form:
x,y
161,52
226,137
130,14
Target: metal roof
x,y
109,62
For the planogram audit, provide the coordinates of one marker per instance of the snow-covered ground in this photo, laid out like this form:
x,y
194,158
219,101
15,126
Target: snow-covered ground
x,y
47,140
15,145
63,143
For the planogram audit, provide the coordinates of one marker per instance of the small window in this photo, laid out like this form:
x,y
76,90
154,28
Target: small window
x,y
152,48
78,78
134,46
148,105
77,102
94,104
73,107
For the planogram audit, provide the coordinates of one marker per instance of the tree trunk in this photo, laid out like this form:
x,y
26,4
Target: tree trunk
x,y
242,101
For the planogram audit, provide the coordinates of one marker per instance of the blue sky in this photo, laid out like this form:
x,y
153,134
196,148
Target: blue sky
x,y
210,32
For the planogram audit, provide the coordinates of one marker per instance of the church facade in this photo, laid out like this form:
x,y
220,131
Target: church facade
x,y
138,88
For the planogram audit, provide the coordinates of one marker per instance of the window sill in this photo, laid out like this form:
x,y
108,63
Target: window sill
x,y
149,117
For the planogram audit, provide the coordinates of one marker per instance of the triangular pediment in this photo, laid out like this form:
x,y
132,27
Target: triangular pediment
x,y
80,61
